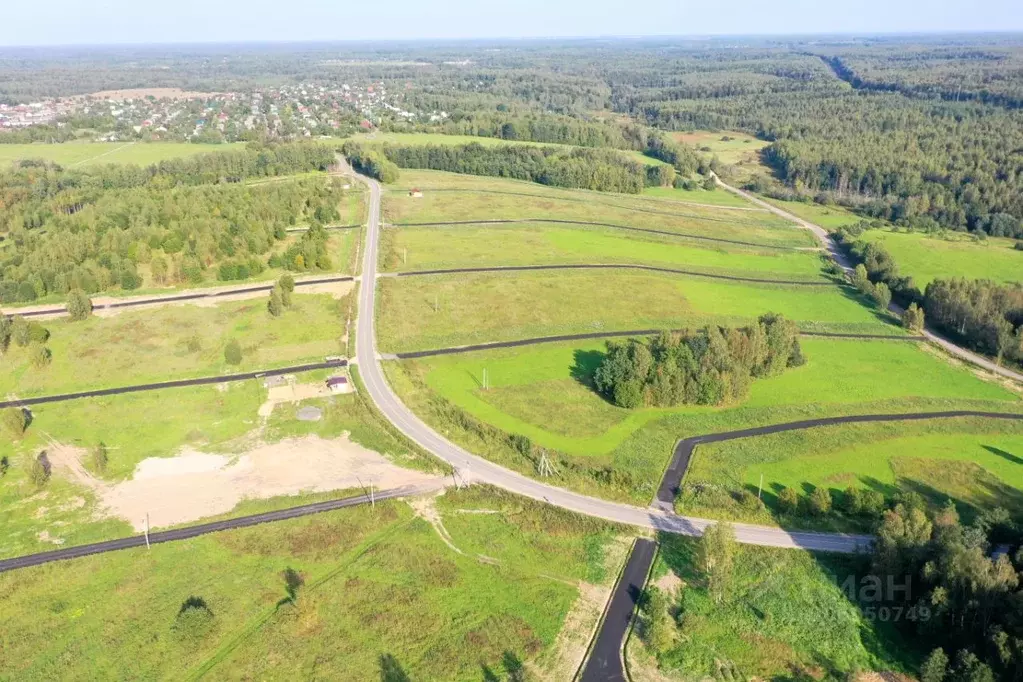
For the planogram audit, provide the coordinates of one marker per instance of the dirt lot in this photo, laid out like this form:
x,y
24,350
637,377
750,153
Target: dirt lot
x,y
193,485
158,93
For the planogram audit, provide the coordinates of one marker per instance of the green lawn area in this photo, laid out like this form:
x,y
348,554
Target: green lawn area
x,y
543,392
717,197
484,307
87,153
978,463
828,217
419,248
784,616
378,594
176,342
952,254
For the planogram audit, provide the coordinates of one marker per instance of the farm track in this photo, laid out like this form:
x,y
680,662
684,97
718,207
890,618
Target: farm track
x,y
608,266
176,383
409,355
57,311
584,223
211,527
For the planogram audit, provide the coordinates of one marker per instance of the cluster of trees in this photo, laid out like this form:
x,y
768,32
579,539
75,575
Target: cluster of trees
x,y
971,592
711,366
280,296
596,169
371,162
26,334
984,315
67,230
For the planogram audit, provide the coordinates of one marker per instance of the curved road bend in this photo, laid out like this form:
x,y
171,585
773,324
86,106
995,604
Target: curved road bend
x,y
176,383
409,355
59,310
676,471
471,467
825,239
605,661
584,223
212,527
607,266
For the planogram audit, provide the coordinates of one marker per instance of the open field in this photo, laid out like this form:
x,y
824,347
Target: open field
x,y
478,308
783,617
214,420
86,153
953,254
739,153
419,248
829,217
175,342
545,393
717,196
972,461
375,592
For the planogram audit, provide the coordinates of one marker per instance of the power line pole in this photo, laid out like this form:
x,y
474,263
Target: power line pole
x,y
147,530
486,384
544,466
761,486
404,256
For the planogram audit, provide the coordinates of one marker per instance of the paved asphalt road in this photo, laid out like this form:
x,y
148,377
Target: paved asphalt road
x,y
684,450
211,527
59,310
609,266
832,247
472,468
408,355
177,383
605,661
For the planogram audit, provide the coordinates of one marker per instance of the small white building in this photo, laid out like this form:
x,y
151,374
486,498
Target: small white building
x,y
338,385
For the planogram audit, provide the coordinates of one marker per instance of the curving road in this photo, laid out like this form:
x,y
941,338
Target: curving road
x,y
825,239
469,467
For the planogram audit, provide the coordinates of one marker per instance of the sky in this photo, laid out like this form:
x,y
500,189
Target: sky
x,y
101,22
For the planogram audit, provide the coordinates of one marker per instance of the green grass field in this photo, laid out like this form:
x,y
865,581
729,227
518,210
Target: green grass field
x,y
378,594
88,153
418,248
176,342
544,393
784,616
953,254
828,217
973,462
716,197
487,307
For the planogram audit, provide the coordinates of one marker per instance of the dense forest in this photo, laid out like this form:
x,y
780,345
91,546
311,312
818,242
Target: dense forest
x,y
182,221
711,366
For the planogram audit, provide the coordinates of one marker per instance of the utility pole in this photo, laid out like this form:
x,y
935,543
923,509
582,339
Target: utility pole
x,y
760,487
544,466
404,256
436,307
147,531
486,385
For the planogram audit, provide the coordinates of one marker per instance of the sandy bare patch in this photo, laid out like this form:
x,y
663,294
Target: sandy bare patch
x,y
44,536
883,676
195,484
578,629
426,507
158,93
291,393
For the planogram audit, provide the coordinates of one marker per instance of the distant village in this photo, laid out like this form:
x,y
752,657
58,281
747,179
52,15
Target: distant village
x,y
170,114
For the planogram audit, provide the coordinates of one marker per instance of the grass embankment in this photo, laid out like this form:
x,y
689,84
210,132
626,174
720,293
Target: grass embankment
x,y
973,462
450,310
783,616
419,248
927,257
545,393
377,593
88,153
176,342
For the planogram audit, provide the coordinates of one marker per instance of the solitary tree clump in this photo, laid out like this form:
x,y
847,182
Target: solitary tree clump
x,y
233,352
39,470
913,318
287,285
78,304
717,554
14,422
935,668
195,620
5,464
275,306
660,630
788,500
5,332
882,295
820,501
39,355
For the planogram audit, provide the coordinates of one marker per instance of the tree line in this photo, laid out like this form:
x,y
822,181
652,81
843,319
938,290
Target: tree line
x,y
710,366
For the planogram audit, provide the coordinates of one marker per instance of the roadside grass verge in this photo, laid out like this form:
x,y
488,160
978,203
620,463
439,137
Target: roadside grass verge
x,y
372,590
418,248
450,310
973,462
176,341
783,616
830,217
927,257
88,153
545,394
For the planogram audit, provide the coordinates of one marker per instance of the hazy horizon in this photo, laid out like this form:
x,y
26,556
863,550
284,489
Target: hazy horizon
x,y
70,23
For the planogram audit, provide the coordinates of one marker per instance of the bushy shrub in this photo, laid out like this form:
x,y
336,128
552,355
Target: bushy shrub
x,y
233,352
